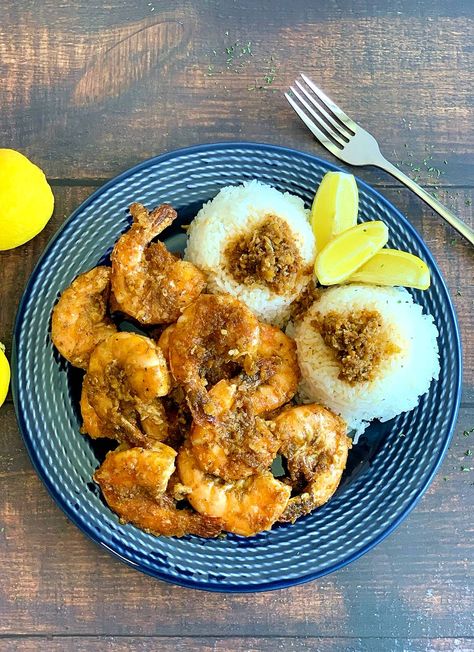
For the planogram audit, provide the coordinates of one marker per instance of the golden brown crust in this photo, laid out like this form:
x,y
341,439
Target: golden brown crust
x,y
214,337
80,319
149,283
315,446
135,485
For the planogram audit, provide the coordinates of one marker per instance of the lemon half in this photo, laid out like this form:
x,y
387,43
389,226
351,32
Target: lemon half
x,y
26,199
335,207
348,251
393,267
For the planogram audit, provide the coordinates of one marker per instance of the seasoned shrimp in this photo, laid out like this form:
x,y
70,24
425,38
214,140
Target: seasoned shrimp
x,y
245,507
135,484
133,420
126,375
315,446
80,318
237,444
92,424
149,283
214,337
278,376
164,341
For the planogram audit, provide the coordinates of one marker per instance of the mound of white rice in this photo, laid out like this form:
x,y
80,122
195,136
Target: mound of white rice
x,y
239,209
400,378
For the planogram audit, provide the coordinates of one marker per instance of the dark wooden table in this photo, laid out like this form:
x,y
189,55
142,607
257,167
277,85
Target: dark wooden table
x,y
90,89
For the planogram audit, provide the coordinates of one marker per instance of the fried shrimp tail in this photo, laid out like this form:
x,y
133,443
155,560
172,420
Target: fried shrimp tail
x,y
149,283
315,446
80,318
245,507
135,483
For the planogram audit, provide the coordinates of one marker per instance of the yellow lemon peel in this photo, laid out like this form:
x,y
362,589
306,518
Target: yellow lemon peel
x,y
4,374
26,199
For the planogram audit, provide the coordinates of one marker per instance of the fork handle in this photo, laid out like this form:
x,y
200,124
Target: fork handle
x,y
446,214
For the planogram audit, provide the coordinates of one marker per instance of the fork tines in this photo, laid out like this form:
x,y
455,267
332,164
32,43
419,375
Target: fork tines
x,y
326,120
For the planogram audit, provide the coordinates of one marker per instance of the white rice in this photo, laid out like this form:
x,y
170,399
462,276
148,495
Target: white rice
x,y
239,209
401,377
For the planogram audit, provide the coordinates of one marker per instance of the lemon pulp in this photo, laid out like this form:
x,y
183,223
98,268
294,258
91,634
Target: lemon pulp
x,y
335,207
393,267
348,251
26,199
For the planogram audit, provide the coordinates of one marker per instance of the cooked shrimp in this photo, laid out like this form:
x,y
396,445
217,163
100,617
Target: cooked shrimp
x,y
315,446
80,318
92,424
149,283
214,337
278,376
164,341
245,507
126,375
135,482
133,420
237,444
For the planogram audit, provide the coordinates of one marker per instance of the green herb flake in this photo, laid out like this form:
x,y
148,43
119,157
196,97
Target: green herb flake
x,y
269,78
466,433
468,453
246,49
468,202
465,469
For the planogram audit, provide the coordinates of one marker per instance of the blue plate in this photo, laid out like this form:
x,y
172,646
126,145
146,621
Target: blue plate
x,y
386,473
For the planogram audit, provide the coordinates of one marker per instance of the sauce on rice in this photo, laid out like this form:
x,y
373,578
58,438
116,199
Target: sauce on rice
x,y
266,255
358,340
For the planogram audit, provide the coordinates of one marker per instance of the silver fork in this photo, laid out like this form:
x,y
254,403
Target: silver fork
x,y
346,140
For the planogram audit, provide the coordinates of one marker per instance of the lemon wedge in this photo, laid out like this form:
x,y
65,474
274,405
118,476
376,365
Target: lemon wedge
x,y
393,267
26,199
4,374
335,207
348,251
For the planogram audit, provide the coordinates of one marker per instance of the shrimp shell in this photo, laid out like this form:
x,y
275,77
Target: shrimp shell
x,y
149,283
315,446
126,375
245,506
135,482
80,318
214,335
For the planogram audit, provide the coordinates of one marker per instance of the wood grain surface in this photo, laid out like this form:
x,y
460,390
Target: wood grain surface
x,y
88,89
